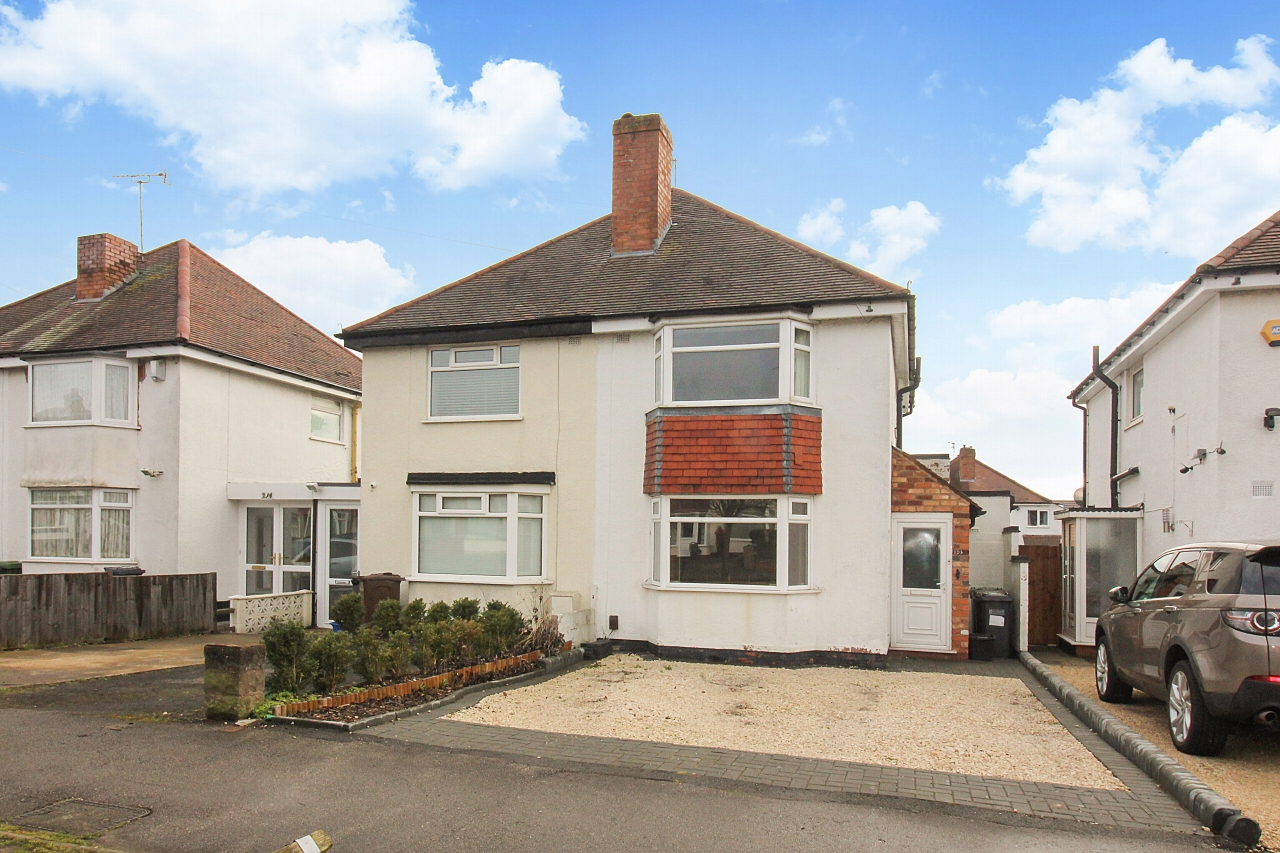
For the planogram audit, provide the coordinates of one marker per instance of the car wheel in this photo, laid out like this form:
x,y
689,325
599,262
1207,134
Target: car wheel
x,y
1111,687
1194,730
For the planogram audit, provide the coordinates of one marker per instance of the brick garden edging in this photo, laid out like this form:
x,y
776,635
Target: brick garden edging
x,y
545,666
1209,807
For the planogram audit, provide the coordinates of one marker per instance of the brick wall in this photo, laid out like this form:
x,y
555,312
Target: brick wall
x,y
641,182
102,262
733,454
916,489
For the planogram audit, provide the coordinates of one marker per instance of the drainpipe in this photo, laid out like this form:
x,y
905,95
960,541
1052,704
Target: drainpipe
x,y
903,392
355,421
1084,449
1115,431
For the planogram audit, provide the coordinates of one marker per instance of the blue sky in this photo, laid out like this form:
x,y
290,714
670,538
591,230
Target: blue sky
x,y
1041,175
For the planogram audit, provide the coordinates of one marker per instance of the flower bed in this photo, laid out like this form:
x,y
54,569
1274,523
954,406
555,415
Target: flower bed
x,y
443,683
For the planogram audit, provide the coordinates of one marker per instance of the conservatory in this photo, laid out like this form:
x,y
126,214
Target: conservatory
x,y
1100,549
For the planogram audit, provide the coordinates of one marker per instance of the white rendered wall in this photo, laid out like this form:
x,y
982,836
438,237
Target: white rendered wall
x,y
988,548
555,433
850,527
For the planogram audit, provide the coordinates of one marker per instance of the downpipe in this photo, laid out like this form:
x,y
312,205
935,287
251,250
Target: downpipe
x,y
1115,432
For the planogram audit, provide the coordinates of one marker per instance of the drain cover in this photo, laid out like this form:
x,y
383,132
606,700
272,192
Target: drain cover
x,y
79,817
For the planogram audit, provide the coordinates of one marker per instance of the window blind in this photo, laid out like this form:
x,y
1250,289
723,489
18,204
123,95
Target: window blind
x,y
475,393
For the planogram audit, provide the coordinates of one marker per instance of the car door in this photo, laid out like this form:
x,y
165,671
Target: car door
x,y
1158,616
1125,620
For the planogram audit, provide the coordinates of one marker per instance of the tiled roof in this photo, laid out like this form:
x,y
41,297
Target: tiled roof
x,y
228,316
710,260
988,479
1259,248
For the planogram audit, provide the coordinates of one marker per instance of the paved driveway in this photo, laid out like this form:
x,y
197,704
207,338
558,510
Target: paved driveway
x,y
26,667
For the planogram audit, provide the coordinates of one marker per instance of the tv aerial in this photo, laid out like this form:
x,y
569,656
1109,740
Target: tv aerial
x,y
163,175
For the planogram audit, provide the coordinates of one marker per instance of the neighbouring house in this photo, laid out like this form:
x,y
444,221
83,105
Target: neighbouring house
x,y
1179,428
160,412
671,426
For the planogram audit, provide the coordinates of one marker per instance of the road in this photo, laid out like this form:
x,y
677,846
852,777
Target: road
x,y
224,789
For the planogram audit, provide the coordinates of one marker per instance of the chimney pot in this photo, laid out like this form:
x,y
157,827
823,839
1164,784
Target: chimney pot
x,y
103,262
641,183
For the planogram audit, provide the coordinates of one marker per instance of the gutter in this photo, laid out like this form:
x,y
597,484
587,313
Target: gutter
x,y
1115,428
902,392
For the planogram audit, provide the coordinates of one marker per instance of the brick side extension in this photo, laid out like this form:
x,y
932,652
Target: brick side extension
x,y
917,489
103,261
746,454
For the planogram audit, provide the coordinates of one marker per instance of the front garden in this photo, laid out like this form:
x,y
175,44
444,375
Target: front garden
x,y
406,656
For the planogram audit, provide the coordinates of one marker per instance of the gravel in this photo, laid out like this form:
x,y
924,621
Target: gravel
x,y
1247,773
927,721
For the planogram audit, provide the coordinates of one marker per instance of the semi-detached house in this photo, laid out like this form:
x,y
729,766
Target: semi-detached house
x,y
672,427
160,412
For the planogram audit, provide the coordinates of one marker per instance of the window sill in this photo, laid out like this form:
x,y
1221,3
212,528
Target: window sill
x,y
327,441
750,590
479,579
473,419
1134,422
83,561
48,424
694,404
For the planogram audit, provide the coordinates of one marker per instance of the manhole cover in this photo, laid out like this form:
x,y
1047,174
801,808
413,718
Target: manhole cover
x,y
79,817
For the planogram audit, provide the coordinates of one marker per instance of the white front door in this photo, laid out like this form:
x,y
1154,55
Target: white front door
x,y
276,553
921,616
337,554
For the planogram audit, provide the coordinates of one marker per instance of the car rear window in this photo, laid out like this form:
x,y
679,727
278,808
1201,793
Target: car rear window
x,y
1261,575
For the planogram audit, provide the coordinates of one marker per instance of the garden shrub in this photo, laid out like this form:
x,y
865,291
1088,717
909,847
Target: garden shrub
x,y
502,625
399,651
439,612
413,614
465,608
425,641
370,655
466,638
287,646
348,612
331,655
386,617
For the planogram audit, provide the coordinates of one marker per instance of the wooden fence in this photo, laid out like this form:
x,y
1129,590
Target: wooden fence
x,y
50,610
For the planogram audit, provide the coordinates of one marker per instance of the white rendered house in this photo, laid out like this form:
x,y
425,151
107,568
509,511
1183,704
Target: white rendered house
x,y
1179,447
161,412
671,426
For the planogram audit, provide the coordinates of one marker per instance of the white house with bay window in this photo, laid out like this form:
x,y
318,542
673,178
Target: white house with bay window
x,y
160,412
671,426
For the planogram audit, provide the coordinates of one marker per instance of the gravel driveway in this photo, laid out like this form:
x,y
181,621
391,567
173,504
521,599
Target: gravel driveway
x,y
949,723
1247,772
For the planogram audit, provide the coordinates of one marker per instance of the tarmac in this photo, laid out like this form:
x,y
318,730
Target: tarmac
x,y
28,667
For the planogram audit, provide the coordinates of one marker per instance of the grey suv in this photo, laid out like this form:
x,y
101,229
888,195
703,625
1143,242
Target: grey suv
x,y
1199,628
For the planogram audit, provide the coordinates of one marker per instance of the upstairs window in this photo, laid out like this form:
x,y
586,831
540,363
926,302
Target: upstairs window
x,y
326,419
80,392
738,363
1037,518
1135,394
475,382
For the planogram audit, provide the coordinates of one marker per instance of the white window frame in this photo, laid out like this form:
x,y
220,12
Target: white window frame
x,y
513,515
331,406
1137,394
95,506
98,392
454,367
786,516
786,346
1040,514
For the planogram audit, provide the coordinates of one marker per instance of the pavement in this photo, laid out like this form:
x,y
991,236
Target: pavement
x,y
135,741
26,667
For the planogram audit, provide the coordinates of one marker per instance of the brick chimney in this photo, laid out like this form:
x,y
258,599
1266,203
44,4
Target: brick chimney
x,y
964,469
641,183
103,262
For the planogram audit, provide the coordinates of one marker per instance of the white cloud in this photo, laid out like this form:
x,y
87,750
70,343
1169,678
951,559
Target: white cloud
x,y
292,95
330,284
388,201
898,233
820,134
4,188
1015,413
1101,176
821,226
932,83
816,135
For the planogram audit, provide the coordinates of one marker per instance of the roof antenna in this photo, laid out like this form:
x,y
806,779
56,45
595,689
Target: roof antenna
x,y
140,180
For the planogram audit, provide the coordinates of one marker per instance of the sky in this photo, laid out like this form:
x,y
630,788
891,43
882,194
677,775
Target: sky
x,y
1041,175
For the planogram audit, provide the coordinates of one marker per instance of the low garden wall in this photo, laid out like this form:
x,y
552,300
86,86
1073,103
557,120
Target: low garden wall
x,y
252,614
90,607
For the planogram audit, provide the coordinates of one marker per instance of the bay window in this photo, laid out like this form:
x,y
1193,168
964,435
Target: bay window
x,y
91,390
81,524
474,382
482,535
751,362
731,541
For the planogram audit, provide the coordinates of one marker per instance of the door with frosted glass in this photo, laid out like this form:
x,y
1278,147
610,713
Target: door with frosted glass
x,y
277,548
338,554
921,595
